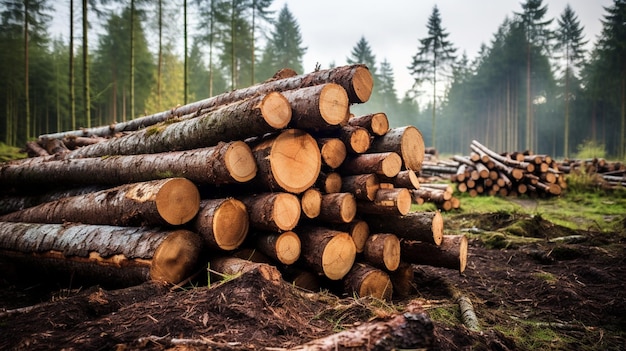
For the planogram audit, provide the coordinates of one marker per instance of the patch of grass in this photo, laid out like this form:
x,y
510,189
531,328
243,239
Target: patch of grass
x,y
446,314
545,276
8,153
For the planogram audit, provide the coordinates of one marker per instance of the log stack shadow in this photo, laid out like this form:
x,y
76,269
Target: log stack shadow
x,y
278,173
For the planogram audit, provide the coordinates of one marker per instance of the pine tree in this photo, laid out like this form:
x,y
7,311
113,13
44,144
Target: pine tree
x,y
386,87
284,47
612,51
537,38
435,55
569,42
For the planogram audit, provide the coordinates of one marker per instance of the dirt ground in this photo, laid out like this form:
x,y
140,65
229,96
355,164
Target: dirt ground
x,y
565,294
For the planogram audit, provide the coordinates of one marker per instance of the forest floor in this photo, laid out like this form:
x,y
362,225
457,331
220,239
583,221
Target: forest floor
x,y
534,285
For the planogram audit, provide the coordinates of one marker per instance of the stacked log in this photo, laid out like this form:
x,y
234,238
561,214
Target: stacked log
x,y
605,174
486,172
279,173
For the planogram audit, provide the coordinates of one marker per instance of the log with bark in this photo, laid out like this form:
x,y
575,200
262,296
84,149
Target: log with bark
x,y
355,79
362,186
406,141
171,201
229,267
337,208
404,179
366,280
326,251
289,161
284,247
333,151
237,121
359,231
222,223
388,164
410,330
356,139
311,202
13,203
382,251
224,163
387,201
123,255
317,107
451,253
329,182
420,226
273,211
376,123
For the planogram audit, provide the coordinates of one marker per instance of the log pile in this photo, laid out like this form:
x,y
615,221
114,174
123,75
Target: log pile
x,y
486,172
277,173
607,175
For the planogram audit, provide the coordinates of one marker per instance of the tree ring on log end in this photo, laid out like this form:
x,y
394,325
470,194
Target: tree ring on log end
x,y
463,254
338,256
391,252
391,165
311,203
286,211
178,201
437,228
362,83
289,247
240,161
295,160
230,224
333,104
276,110
412,148
360,232
404,201
360,140
176,257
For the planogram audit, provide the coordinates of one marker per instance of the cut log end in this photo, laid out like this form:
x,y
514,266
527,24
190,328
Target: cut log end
x,y
360,232
359,140
379,124
240,162
333,103
286,211
333,152
230,224
276,110
365,280
391,165
295,160
462,253
362,83
413,148
288,247
176,257
338,256
178,201
437,227
391,252
311,202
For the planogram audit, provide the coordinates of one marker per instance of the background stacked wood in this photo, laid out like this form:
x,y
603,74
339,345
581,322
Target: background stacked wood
x,y
277,173
608,175
486,172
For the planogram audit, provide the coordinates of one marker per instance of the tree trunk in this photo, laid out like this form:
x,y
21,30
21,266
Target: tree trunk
x,y
333,151
419,226
288,162
355,79
376,123
237,121
284,247
383,251
362,186
221,164
273,211
365,280
13,203
338,208
311,202
406,141
122,254
327,251
452,253
34,150
317,107
410,330
385,163
387,201
172,201
222,223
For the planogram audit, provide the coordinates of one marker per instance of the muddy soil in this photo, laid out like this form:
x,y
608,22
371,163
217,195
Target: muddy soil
x,y
559,290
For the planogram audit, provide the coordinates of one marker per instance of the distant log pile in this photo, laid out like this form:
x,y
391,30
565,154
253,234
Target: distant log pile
x,y
279,172
607,175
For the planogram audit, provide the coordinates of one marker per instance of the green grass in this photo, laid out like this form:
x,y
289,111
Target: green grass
x,y
8,153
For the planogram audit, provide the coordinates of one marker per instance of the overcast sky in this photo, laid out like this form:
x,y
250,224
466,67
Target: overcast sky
x,y
331,28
